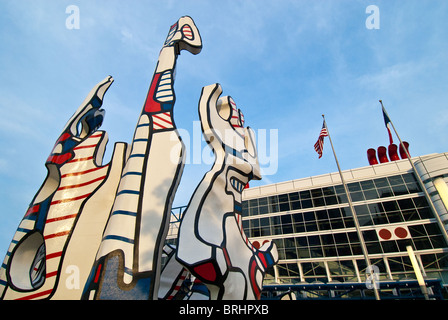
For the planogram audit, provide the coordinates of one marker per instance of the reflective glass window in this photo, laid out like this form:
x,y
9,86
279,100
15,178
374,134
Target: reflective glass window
x,y
354,186
266,231
341,238
328,191
425,213
294,196
287,228
370,194
381,182
299,227
399,190
395,180
311,226
314,240
334,213
343,250
369,235
305,194
330,251
316,252
327,239
253,203
409,177
318,202
283,198
263,209
357,196
315,193
295,205
405,204
301,241
385,192
337,223
307,203
331,200
413,187
368,184
389,246
284,206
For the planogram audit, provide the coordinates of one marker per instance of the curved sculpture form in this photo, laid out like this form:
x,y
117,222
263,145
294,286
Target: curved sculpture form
x,y
403,154
392,150
97,231
129,258
173,276
371,156
177,283
62,227
211,241
382,154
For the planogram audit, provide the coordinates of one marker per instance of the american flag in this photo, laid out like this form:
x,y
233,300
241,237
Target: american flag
x,y
319,145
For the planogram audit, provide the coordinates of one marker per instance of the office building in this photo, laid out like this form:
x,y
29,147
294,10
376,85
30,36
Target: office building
x,y
312,224
320,253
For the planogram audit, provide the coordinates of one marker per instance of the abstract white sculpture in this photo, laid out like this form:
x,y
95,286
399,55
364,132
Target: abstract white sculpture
x,y
62,227
211,241
97,231
129,258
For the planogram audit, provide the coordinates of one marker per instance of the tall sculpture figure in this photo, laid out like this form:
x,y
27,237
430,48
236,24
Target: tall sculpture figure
x,y
129,257
211,241
97,231
54,247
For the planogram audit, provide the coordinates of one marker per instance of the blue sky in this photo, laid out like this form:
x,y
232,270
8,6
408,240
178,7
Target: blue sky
x,y
284,62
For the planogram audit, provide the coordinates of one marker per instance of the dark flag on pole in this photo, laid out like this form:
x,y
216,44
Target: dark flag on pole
x,y
319,145
387,123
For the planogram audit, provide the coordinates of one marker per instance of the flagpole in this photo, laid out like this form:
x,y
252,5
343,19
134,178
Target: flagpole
x,y
428,197
355,218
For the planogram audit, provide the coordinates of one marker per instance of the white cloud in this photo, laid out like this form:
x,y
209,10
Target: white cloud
x,y
392,76
126,35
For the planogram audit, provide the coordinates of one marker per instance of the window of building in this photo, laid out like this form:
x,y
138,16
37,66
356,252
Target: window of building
x,y
314,272
325,212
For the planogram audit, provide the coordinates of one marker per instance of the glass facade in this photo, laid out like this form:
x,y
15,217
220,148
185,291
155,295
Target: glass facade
x,y
311,222
317,240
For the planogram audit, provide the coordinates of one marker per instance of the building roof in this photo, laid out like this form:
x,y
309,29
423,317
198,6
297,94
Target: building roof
x,y
378,170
